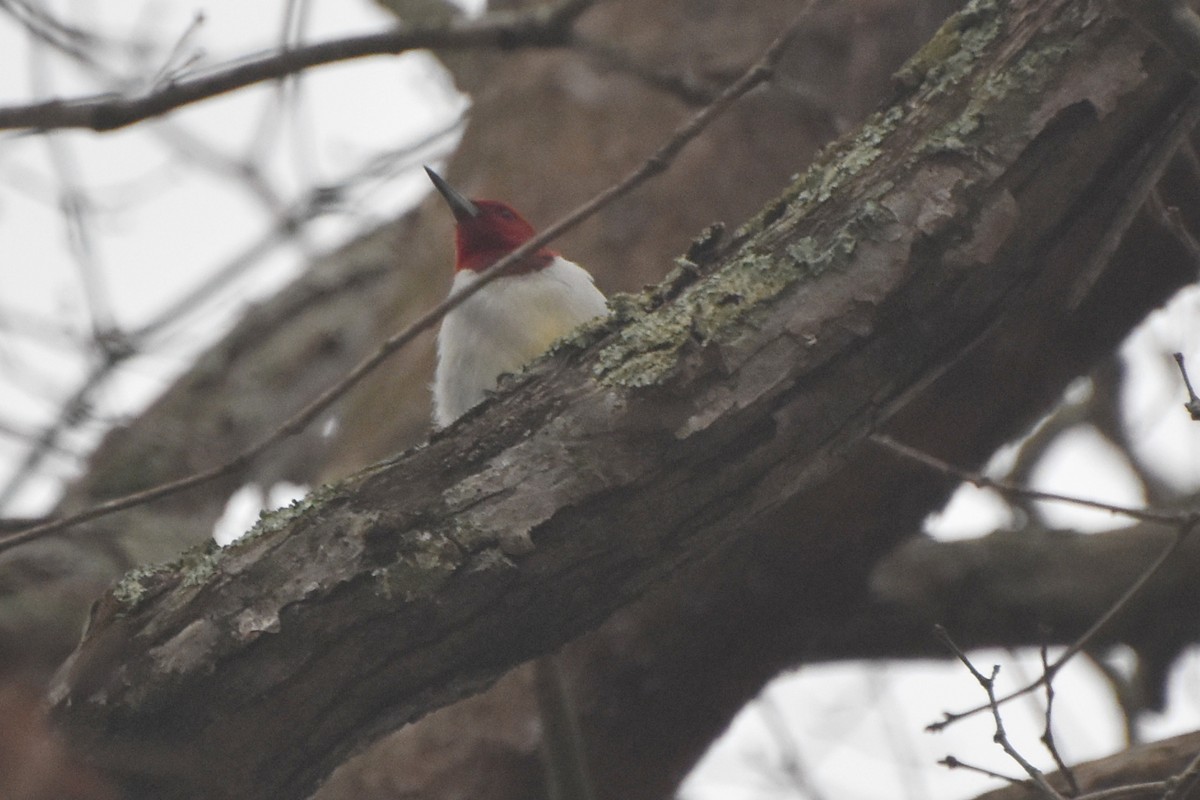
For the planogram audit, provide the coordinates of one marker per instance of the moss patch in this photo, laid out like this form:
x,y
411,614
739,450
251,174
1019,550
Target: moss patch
x,y
275,520
133,587
420,570
949,56
650,337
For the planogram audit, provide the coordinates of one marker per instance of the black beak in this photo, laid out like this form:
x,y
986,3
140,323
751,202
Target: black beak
x,y
460,205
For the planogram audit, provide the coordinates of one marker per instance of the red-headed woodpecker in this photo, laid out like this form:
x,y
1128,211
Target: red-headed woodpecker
x,y
509,322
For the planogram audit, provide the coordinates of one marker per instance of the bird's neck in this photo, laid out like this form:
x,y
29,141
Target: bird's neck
x,y
480,260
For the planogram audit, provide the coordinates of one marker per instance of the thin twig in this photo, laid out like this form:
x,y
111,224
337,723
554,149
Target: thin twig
x,y
950,762
540,27
1183,522
1048,732
75,209
1010,489
17,434
1128,698
71,413
1001,737
194,148
76,42
20,322
1148,788
760,72
290,219
173,64
1193,403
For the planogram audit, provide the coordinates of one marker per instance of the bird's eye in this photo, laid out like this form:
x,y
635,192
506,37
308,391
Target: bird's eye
x,y
504,212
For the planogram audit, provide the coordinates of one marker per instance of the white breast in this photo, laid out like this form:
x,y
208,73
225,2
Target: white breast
x,y
504,327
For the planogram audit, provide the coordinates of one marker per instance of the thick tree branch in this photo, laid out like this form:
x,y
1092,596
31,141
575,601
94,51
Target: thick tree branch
x,y
943,240
1021,587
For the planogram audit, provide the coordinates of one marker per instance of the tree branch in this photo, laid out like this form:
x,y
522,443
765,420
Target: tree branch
x,y
548,26
988,683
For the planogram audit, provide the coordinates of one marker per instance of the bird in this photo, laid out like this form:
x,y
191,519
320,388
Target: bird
x,y
512,320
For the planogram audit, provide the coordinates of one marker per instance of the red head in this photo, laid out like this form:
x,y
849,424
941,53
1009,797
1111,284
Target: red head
x,y
486,231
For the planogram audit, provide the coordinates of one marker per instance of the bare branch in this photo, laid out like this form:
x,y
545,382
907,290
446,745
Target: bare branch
x,y
1193,402
1128,698
176,62
1148,788
950,762
543,27
1048,731
71,412
1009,489
42,26
989,685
